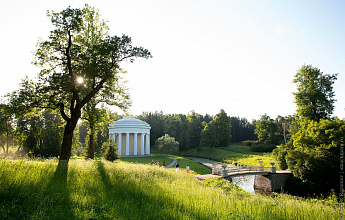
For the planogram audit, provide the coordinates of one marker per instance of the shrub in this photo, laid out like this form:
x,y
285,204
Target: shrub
x,y
260,147
279,154
221,183
167,144
110,151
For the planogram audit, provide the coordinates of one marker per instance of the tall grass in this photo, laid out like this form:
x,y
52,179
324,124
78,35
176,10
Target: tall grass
x,y
99,189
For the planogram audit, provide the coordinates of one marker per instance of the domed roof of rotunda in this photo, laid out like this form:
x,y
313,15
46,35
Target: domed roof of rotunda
x,y
129,122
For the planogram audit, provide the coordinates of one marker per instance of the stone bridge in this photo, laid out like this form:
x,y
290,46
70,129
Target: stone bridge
x,y
267,179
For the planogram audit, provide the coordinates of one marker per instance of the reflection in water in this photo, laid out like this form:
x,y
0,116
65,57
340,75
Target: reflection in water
x,y
245,182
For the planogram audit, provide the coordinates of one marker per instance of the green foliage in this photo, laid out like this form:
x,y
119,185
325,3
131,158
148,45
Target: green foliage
x,y
267,130
222,124
103,190
221,183
167,144
110,151
260,147
319,170
175,127
7,131
314,155
77,147
242,130
314,96
194,128
279,154
77,48
322,134
287,126
156,121
208,136
42,134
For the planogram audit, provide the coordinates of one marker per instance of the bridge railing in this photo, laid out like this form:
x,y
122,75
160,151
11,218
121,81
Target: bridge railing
x,y
249,169
224,170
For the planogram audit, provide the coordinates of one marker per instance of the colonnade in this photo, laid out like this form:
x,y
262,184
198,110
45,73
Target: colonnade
x,y
144,142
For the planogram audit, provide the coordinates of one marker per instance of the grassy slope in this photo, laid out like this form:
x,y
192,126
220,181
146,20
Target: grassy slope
x,y
104,190
234,154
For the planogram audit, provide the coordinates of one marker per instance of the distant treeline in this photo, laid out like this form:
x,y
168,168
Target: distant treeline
x,y
41,135
194,130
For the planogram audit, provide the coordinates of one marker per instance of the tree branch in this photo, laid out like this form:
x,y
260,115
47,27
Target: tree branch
x,y
62,111
69,63
92,93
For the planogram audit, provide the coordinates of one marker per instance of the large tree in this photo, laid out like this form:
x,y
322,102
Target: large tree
x,y
313,154
208,136
267,130
78,62
223,128
314,96
175,127
194,128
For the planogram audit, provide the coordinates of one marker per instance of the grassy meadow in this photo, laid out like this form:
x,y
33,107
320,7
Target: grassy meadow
x,y
235,154
85,189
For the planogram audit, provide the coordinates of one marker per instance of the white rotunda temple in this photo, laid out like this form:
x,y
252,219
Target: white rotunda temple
x,y
131,135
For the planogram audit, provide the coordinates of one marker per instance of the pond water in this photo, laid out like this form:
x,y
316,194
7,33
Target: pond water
x,y
245,182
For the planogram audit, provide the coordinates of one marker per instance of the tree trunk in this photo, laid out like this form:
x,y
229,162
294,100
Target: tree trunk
x,y
7,145
91,152
285,133
66,146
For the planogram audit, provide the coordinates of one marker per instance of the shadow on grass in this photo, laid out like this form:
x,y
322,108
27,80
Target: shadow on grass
x,y
38,193
53,201
131,201
57,204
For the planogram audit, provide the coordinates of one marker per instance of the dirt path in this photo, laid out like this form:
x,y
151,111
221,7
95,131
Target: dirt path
x,y
171,164
208,163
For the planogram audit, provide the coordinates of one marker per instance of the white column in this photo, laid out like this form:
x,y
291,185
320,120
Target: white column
x,y
135,143
119,145
142,146
147,147
114,137
127,143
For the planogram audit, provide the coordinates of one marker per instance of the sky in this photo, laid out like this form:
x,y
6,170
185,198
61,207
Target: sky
x,y
240,56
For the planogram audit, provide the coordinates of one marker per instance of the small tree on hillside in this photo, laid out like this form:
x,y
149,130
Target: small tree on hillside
x,y
167,144
110,151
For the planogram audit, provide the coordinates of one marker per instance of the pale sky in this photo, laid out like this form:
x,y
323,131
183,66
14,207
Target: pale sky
x,y
208,55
